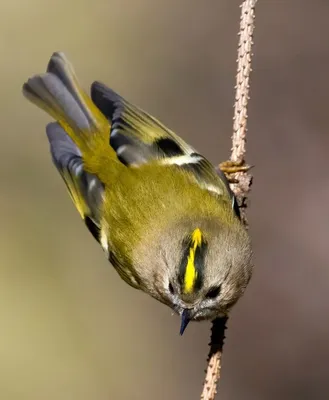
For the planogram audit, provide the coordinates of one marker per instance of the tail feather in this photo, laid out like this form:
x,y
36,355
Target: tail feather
x,y
59,93
63,69
49,93
78,138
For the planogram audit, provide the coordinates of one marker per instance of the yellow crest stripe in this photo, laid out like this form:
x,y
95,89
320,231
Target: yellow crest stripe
x,y
191,273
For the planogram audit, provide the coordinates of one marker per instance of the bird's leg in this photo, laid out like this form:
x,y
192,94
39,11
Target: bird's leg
x,y
232,167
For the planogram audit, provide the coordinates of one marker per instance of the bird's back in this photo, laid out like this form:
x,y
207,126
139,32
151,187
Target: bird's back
x,y
165,197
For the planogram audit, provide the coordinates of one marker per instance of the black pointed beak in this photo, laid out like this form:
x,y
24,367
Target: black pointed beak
x,y
185,319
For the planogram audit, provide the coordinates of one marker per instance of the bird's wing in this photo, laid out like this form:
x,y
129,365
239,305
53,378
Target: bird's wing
x,y
85,189
138,139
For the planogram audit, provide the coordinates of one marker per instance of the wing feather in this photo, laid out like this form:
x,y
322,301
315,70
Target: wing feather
x,y
138,138
85,189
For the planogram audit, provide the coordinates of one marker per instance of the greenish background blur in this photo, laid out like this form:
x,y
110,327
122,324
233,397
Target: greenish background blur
x,y
70,328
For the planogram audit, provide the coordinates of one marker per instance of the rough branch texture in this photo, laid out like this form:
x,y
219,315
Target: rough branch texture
x,y
242,187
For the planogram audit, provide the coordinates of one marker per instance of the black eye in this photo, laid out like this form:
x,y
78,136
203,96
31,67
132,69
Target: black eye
x,y
171,288
213,292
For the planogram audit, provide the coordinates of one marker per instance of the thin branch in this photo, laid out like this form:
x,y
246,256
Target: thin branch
x,y
243,179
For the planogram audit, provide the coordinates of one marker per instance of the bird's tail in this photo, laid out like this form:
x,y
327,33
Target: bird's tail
x,y
59,93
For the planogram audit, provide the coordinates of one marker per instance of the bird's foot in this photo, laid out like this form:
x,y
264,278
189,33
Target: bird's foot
x,y
232,167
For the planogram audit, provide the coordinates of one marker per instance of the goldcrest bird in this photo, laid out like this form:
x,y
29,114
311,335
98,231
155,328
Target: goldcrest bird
x,y
164,216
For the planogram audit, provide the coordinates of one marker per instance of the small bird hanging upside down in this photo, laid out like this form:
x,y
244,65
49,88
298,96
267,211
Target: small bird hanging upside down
x,y
164,216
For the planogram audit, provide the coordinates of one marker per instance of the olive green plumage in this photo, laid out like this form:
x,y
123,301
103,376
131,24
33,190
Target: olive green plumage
x,y
162,213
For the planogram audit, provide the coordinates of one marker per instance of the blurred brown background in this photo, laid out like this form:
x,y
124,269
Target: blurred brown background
x,y
70,328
